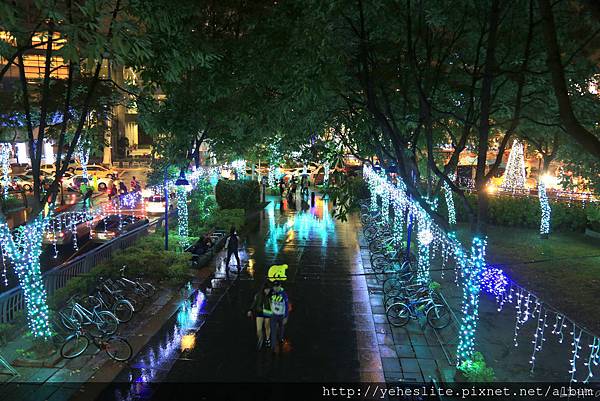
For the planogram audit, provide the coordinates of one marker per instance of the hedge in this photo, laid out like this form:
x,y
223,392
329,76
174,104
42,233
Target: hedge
x,y
146,257
525,212
238,194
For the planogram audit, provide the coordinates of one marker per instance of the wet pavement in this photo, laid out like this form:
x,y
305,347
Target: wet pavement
x,y
330,335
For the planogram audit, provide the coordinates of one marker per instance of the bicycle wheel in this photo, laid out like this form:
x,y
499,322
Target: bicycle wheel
x,y
105,324
148,289
390,284
393,298
118,349
438,316
123,310
398,314
74,346
70,318
379,264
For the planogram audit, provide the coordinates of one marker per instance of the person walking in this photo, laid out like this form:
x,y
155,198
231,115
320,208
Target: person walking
x,y
232,246
260,309
281,186
122,188
112,191
133,184
279,304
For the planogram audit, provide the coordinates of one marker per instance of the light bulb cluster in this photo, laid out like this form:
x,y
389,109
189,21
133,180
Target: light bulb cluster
x,y
326,173
545,209
424,237
538,337
239,167
494,282
514,176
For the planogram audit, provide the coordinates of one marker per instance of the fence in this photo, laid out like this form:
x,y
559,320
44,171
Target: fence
x,y
13,300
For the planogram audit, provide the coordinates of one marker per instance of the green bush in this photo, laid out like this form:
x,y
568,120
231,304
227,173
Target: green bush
x,y
238,194
593,217
476,370
12,202
226,218
146,257
7,332
525,212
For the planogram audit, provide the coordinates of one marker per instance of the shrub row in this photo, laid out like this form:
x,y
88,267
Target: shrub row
x,y
238,194
525,212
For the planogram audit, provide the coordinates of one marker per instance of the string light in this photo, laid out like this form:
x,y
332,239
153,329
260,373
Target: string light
x,y
593,358
470,305
182,214
450,204
326,173
82,153
5,150
424,237
546,210
240,168
575,351
494,281
23,247
538,337
514,176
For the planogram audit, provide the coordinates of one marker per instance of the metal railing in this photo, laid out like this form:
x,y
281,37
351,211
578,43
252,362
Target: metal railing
x,y
13,301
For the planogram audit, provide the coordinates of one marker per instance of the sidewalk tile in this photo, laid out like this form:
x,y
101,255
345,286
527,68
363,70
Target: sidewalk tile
x,y
387,351
386,339
379,318
413,377
405,351
418,339
391,365
423,352
409,365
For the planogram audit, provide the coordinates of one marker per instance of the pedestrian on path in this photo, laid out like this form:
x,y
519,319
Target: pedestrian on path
x,y
232,245
279,313
122,188
260,309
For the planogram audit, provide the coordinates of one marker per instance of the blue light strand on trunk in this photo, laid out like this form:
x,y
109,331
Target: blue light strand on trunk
x,y
545,209
423,264
470,303
23,248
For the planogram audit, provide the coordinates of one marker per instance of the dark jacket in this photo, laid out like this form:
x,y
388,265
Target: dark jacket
x,y
261,304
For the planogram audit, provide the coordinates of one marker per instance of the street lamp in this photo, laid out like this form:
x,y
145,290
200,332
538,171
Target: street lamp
x,y
181,181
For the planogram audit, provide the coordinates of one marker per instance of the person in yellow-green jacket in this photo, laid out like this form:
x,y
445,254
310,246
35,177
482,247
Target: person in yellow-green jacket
x,y
279,313
260,309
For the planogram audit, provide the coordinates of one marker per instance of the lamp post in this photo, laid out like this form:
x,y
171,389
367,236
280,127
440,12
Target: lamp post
x,y
181,181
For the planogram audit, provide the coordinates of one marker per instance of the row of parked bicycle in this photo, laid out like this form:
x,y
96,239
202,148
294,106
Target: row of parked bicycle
x,y
95,318
406,297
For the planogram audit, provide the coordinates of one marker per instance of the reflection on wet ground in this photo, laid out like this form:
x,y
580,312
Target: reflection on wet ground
x,y
330,334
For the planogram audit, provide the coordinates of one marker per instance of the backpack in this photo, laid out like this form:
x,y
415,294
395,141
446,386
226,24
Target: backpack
x,y
278,304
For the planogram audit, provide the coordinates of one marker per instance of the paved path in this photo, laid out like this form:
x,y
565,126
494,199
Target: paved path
x,y
330,336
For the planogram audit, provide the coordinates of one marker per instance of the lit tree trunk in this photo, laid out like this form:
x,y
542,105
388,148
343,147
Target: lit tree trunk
x,y
182,215
23,248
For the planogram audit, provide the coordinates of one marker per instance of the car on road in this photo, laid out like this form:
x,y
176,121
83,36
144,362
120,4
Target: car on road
x,y
74,182
113,225
155,204
98,171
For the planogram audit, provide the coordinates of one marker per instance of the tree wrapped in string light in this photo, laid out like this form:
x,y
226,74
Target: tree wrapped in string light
x,y
545,209
181,186
514,176
424,237
470,305
450,203
82,153
23,248
5,150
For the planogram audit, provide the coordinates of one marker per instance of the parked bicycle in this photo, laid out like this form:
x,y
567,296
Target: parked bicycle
x,y
420,304
100,322
117,348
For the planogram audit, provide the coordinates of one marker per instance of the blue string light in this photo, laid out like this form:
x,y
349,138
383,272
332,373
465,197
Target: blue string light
x,y
470,307
450,204
23,248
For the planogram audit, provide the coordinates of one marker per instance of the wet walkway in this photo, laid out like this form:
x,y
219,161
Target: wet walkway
x,y
330,336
